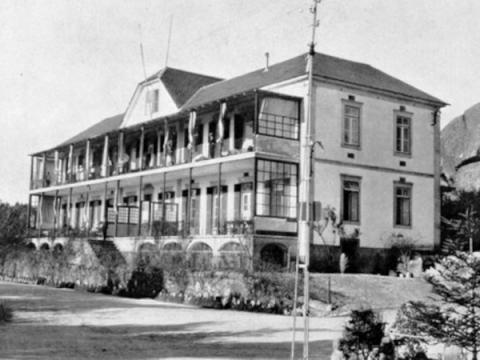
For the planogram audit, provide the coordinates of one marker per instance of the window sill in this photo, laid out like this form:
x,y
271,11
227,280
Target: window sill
x,y
351,146
402,154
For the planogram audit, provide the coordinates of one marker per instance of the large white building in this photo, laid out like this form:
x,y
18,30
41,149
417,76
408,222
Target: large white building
x,y
211,166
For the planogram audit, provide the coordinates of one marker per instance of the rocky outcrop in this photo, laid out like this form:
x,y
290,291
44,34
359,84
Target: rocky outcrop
x,y
460,142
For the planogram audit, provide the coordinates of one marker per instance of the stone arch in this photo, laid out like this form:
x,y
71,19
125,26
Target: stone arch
x,y
232,255
200,256
58,248
274,254
173,255
45,247
172,246
31,246
148,254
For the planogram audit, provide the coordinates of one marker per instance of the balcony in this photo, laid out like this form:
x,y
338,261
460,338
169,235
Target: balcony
x,y
263,122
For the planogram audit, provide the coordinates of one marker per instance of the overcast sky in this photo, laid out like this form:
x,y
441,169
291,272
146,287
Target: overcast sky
x,y
65,65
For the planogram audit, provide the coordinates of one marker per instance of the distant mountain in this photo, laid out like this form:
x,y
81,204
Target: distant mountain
x,y
460,139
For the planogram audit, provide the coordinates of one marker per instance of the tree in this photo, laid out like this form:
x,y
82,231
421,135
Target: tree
x,y
455,317
13,223
362,335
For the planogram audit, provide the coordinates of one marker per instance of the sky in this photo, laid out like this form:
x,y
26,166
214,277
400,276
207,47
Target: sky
x,y
66,64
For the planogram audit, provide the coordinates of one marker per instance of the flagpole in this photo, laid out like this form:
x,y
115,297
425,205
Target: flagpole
x,y
305,186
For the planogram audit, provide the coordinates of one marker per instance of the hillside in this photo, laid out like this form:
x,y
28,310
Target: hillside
x,y
460,139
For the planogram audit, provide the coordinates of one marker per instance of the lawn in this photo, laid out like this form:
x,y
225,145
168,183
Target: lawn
x,y
65,324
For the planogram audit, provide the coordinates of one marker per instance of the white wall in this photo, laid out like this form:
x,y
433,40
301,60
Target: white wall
x,y
375,162
136,110
377,204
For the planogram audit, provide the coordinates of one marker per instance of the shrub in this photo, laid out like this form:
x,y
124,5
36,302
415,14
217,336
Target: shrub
x,y
145,282
6,313
362,335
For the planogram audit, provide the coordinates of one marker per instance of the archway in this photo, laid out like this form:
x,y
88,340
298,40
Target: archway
x,y
274,254
45,247
31,246
232,256
200,256
148,254
58,248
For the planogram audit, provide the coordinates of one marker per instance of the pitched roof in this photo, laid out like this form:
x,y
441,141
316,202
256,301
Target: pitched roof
x,y
104,126
181,85
326,66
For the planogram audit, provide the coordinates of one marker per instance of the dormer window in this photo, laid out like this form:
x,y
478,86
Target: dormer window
x,y
151,101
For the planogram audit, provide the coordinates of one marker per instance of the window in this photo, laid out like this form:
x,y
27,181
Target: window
x,y
151,101
351,199
278,117
351,124
276,193
403,136
403,204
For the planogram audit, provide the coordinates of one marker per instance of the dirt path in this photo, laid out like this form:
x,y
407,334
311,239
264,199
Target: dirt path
x,y
65,324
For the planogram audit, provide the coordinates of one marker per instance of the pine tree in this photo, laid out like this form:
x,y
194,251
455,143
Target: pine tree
x,y
454,317
362,334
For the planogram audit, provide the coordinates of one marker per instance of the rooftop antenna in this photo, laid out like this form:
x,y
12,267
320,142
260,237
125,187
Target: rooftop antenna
x,y
142,55
305,194
169,39
267,57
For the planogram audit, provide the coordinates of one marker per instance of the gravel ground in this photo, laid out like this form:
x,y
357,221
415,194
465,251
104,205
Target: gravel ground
x,y
65,324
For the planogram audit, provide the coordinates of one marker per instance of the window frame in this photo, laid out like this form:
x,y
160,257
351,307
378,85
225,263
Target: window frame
x,y
271,202
404,185
406,115
359,106
263,129
352,178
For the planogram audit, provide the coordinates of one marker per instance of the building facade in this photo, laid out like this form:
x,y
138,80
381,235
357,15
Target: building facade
x,y
211,167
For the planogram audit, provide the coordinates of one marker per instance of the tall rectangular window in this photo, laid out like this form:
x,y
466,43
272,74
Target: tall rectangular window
x,y
351,199
403,135
276,192
403,204
151,101
351,124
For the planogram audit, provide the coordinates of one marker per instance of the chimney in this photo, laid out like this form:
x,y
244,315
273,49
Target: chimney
x,y
267,56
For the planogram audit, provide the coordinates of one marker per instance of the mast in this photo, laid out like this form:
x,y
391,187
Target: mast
x,y
305,186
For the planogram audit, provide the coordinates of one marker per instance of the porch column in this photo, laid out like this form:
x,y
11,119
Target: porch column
x,y
40,215
105,169
140,151
29,214
69,210
140,184
219,195
115,204
44,169
55,168
55,213
255,122
31,172
231,139
159,143
87,210
164,207
120,151
87,160
189,201
70,164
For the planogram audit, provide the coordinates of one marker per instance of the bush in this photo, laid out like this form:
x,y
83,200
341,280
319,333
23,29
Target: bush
x,y
145,282
362,335
6,313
